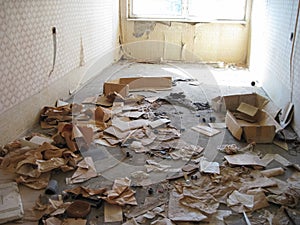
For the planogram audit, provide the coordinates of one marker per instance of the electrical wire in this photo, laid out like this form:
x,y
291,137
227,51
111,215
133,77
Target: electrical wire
x,y
54,50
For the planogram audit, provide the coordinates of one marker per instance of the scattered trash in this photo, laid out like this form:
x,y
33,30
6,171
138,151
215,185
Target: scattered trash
x,y
112,213
202,106
193,191
209,167
11,207
273,172
208,131
52,188
85,171
121,193
78,209
229,149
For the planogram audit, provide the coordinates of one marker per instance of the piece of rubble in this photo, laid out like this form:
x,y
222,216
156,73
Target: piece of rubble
x,y
258,182
86,191
229,149
140,178
136,211
37,183
78,209
35,141
133,115
260,200
121,194
245,159
208,131
102,114
74,221
85,171
129,125
268,158
155,166
217,125
179,212
53,221
281,218
204,202
164,221
132,221
240,202
11,207
273,172
209,167
159,122
112,213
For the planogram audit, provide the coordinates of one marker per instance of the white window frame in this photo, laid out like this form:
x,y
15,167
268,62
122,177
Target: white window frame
x,y
184,17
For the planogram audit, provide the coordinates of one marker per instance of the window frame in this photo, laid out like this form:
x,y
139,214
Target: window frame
x,y
185,16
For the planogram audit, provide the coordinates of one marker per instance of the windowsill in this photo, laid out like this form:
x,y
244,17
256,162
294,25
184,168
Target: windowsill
x,y
243,22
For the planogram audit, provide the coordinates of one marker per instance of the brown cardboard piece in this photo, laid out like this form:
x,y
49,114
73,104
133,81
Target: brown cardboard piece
x,y
85,171
121,193
112,213
247,109
262,131
122,86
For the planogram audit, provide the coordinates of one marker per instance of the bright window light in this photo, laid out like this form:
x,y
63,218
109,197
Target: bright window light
x,y
217,9
188,10
157,8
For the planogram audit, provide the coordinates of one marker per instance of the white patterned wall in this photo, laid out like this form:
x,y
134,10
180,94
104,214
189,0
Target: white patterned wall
x,y
296,80
277,81
26,46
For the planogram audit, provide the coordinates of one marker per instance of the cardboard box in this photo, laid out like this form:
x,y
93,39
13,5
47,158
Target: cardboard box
x,y
261,131
232,102
124,85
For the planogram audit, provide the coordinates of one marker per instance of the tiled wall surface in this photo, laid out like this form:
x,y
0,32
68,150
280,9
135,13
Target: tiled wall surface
x,y
27,44
280,20
296,80
26,53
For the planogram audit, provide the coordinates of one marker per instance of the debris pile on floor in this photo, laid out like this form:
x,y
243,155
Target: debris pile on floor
x,y
242,187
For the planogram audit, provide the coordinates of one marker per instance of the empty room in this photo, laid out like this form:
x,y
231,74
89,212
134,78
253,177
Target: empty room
x,y
158,112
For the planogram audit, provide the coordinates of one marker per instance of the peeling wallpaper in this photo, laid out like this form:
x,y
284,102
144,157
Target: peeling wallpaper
x,y
206,42
26,47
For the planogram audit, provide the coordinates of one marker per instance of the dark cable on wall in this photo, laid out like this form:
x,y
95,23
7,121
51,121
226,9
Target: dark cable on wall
x,y
54,49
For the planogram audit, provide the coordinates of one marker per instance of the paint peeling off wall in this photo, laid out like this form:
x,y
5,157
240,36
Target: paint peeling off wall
x,y
143,27
208,42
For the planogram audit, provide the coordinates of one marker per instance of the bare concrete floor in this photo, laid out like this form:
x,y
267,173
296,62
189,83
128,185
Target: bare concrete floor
x,y
110,162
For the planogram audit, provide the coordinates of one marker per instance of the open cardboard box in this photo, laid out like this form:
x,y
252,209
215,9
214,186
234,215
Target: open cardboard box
x,y
262,131
126,84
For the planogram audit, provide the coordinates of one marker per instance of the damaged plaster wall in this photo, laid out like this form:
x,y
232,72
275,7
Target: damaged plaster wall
x,y
208,42
86,34
280,74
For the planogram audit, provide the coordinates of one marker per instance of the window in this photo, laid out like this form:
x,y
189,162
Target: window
x,y
188,10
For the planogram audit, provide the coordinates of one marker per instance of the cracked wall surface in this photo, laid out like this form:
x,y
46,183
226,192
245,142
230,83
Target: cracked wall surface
x,y
207,42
